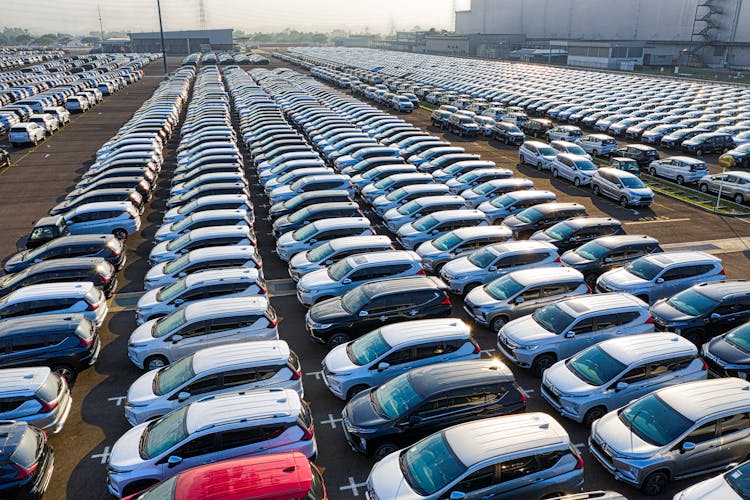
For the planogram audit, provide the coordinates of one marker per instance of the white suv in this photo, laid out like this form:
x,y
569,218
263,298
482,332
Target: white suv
x,y
56,298
538,154
574,168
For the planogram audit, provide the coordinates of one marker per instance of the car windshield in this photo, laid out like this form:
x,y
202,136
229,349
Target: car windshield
x,y
585,165
172,376
304,233
169,292
395,398
179,243
486,188
284,179
27,450
503,201
739,480
692,302
425,223
188,208
594,366
482,257
560,231
168,323
160,491
299,215
340,269
12,279
396,195
384,183
177,264
163,434
740,337
412,207
655,422
353,300
367,348
576,150
644,269
430,465
185,223
446,241
503,288
529,215
592,250
632,183
552,318
320,253
547,151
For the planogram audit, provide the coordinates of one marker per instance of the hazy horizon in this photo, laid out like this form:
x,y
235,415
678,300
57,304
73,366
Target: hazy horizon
x,y
79,17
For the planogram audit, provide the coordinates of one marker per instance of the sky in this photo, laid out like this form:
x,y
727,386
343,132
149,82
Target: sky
x,y
357,16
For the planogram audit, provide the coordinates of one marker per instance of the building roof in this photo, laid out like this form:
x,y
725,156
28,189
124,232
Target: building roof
x,y
218,36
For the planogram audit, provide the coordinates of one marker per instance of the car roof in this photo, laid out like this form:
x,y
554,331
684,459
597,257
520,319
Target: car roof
x,y
82,238
363,241
45,323
447,377
68,263
633,348
703,398
616,172
221,251
488,438
101,205
718,290
480,231
23,379
580,305
242,407
47,290
342,222
241,353
557,206
235,306
587,221
207,232
665,259
389,285
538,144
526,277
220,275
384,256
619,240
685,159
530,194
424,329
457,214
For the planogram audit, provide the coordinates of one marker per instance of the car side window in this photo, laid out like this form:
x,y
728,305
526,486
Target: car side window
x,y
705,432
606,321
481,479
426,351
202,445
547,460
519,467
531,293
583,326
245,437
734,423
194,330
636,374
404,355
552,290
676,273
204,385
379,305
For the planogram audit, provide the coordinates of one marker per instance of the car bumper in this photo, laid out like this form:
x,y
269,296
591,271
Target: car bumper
x,y
480,319
336,387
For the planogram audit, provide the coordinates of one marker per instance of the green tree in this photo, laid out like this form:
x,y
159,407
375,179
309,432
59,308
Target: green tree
x,y
90,40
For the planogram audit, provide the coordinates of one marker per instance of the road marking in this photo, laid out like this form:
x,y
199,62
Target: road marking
x,y
353,486
713,247
657,220
580,445
332,421
314,374
104,455
118,400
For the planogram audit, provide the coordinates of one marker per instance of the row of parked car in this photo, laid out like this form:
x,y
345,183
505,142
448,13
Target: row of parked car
x,y
12,58
223,59
54,293
675,285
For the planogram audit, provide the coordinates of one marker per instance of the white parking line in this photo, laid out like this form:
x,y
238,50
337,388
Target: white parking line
x,y
103,456
118,400
331,420
353,486
314,374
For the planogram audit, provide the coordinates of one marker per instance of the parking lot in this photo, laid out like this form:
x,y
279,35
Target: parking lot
x,y
40,175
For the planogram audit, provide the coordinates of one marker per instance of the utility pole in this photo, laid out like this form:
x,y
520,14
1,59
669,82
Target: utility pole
x,y
101,26
163,48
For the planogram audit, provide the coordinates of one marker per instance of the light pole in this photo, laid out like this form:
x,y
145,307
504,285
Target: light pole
x,y
161,34
721,185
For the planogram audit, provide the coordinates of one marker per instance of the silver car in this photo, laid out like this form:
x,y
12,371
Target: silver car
x,y
436,224
733,184
622,186
511,203
415,209
462,241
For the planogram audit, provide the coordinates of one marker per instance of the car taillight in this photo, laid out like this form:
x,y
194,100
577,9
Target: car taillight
x,y
24,472
705,365
47,407
558,259
308,435
579,462
262,289
589,289
421,271
92,307
650,320
296,374
722,272
446,301
273,322
85,342
477,347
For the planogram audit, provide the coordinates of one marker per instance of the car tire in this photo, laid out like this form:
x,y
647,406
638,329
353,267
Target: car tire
x,y
355,390
555,174
120,234
739,199
680,180
703,188
595,189
594,413
577,182
154,362
595,152
655,483
338,338
652,171
67,372
383,451
539,166
470,287
497,323
699,152
624,202
541,363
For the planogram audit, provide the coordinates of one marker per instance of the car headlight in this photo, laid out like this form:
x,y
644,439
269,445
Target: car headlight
x,y
529,347
359,430
320,326
570,404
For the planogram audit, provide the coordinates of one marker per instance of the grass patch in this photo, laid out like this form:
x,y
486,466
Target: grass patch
x,y
695,197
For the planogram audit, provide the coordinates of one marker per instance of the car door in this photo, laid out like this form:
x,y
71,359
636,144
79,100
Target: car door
x,y
186,340
197,389
671,281
527,301
583,335
197,451
480,484
728,315
735,432
398,361
705,455
374,314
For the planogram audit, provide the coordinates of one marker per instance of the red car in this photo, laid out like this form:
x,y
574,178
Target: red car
x,y
283,476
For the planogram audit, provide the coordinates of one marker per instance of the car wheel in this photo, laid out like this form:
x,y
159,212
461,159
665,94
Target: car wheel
x,y
595,190
594,413
703,188
154,362
680,180
655,483
541,363
355,390
137,486
623,202
338,339
699,152
498,323
595,152
67,372
554,173
577,182
383,451
539,166
739,199
470,287
652,171
120,234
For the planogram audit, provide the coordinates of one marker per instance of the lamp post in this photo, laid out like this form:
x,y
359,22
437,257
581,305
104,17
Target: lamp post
x,y
161,35
721,185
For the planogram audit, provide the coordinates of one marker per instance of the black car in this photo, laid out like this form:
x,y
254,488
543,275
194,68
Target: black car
x,y
709,142
121,194
94,269
737,157
676,138
372,305
306,199
728,355
575,232
313,213
541,216
106,246
602,254
428,399
4,158
508,133
639,152
705,310
27,459
46,229
67,343
536,127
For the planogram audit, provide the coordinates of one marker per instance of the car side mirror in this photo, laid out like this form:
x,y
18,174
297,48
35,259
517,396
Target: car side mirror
x,y
434,232
346,281
607,260
519,300
179,302
659,281
313,241
37,261
383,366
182,274
329,262
174,461
570,335
715,315
573,238
68,222
414,420
183,396
362,314
730,466
687,446
621,386
457,495
492,268
176,338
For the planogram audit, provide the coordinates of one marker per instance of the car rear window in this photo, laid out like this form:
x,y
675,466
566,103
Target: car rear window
x,y
27,451
93,296
50,388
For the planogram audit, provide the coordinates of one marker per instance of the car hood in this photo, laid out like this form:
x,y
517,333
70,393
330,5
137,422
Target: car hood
x,y
407,230
641,192
524,330
328,310
715,488
361,412
287,239
459,266
565,381
512,221
148,299
338,362
573,259
662,310
613,432
621,278
280,191
142,390
428,249
316,279
727,352
142,334
542,236
160,249
156,272
14,260
125,454
387,480
164,231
